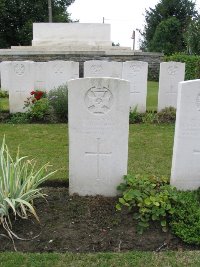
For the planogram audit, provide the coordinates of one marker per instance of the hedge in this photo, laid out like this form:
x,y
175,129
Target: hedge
x,y
192,64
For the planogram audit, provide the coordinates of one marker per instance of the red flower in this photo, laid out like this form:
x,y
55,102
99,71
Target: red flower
x,y
33,92
38,95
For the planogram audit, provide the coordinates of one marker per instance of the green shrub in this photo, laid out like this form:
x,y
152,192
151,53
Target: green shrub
x,y
134,116
58,99
19,181
3,94
18,118
39,110
192,64
185,221
167,115
149,198
150,117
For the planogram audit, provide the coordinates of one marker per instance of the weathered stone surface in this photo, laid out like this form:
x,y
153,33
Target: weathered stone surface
x,y
59,72
5,79
185,173
136,73
71,34
153,59
21,84
98,135
40,76
101,68
171,73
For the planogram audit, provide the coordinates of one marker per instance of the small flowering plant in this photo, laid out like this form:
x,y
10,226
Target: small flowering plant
x,y
35,96
37,105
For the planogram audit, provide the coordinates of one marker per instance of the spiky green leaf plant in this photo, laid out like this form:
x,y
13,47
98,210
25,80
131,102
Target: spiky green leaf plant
x,y
19,181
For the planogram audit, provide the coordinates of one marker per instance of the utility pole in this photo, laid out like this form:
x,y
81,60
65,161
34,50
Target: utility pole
x,y
133,37
50,11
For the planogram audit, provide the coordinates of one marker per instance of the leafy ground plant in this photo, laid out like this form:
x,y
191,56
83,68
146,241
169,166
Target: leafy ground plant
x,y
149,198
19,181
185,221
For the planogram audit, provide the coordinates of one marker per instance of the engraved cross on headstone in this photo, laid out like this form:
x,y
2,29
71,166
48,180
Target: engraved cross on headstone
x,y
135,92
98,153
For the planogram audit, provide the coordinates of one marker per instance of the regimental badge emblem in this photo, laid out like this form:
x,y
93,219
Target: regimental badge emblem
x,y
96,69
58,68
172,70
134,68
19,69
99,100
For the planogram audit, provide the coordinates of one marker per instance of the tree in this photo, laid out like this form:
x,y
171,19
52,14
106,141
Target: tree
x,y
17,17
193,36
166,26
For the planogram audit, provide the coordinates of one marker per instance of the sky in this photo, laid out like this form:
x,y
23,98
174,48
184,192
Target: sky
x,y
123,15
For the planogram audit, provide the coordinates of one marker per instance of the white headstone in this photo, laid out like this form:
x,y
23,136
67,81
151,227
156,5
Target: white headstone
x,y
40,76
5,79
98,68
21,75
59,72
98,135
171,73
185,173
136,73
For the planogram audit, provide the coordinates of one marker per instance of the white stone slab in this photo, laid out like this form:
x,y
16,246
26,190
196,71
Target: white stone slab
x,y
5,79
98,135
136,73
100,68
71,34
21,75
171,73
59,72
40,76
185,173
72,48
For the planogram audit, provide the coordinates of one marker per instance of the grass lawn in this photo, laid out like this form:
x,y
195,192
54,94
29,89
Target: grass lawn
x,y
150,150
150,146
4,105
151,98
130,259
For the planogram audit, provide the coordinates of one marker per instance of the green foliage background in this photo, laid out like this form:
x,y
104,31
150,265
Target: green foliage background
x,y
192,64
17,17
167,25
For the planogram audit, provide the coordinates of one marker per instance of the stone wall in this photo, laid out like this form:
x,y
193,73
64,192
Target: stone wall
x,y
153,59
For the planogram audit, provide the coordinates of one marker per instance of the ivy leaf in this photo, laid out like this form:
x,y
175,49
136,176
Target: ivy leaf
x,y
163,223
154,217
147,201
122,201
118,207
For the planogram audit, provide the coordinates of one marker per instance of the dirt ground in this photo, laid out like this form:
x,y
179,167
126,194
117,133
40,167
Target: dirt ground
x,y
84,224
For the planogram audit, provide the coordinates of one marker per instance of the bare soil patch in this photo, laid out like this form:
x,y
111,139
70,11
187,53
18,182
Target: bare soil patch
x,y
85,224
